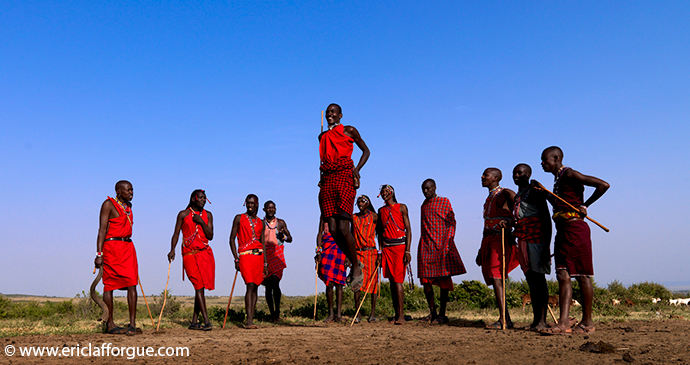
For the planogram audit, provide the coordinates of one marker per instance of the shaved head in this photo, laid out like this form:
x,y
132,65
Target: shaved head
x,y
340,110
525,167
433,183
121,184
496,172
554,150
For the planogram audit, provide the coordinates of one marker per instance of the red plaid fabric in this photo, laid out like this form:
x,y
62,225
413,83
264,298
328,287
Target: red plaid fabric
x,y
337,195
529,230
276,259
364,231
275,251
437,255
332,268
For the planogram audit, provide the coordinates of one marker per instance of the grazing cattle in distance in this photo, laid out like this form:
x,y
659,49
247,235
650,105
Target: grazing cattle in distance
x,y
526,299
629,303
574,303
683,301
674,302
554,300
616,301
656,300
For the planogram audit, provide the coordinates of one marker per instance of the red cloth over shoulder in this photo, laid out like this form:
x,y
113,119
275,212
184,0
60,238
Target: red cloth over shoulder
x,y
334,144
120,266
197,255
246,239
392,220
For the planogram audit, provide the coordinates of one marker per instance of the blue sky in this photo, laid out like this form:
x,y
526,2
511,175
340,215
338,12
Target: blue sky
x,y
227,96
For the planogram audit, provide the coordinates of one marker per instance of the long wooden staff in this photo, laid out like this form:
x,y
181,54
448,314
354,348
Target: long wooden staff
x,y
232,291
371,280
551,311
98,299
146,301
503,278
572,207
165,298
316,289
322,121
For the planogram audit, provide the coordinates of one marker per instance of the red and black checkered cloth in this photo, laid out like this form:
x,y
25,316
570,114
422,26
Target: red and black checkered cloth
x,y
332,266
337,195
437,255
275,257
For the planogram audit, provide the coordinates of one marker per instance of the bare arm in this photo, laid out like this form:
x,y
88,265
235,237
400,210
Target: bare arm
x,y
379,230
600,187
353,133
282,227
233,236
375,222
176,234
408,236
107,210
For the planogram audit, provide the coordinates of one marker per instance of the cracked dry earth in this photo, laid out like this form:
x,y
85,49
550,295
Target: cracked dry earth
x,y
639,342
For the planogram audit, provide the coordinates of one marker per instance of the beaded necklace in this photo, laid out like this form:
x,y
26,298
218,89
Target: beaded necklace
x,y
489,201
191,238
330,127
127,213
251,224
557,178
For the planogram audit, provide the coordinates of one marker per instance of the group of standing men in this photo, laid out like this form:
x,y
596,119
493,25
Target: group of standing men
x,y
259,254
344,236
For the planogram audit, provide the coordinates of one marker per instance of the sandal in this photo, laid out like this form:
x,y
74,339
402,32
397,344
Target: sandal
x,y
556,330
207,327
251,327
580,328
372,320
131,331
195,326
117,331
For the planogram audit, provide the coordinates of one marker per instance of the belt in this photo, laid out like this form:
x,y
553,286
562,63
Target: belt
x,y
389,242
366,248
256,251
195,251
125,239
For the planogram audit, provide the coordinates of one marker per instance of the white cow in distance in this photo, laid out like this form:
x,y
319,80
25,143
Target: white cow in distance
x,y
684,301
656,300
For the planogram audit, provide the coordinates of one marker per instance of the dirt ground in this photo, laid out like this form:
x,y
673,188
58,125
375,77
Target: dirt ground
x,y
460,342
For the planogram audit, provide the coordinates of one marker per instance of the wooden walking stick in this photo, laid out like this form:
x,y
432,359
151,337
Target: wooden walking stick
x,y
375,273
316,289
322,121
551,311
146,301
165,298
570,205
96,298
503,278
232,291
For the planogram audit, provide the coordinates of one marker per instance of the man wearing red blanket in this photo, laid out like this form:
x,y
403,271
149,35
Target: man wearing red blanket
x,y
115,252
196,225
250,260
339,179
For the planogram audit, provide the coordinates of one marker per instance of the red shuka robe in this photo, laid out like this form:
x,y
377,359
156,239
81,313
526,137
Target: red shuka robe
x,y
197,255
120,266
251,266
337,194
